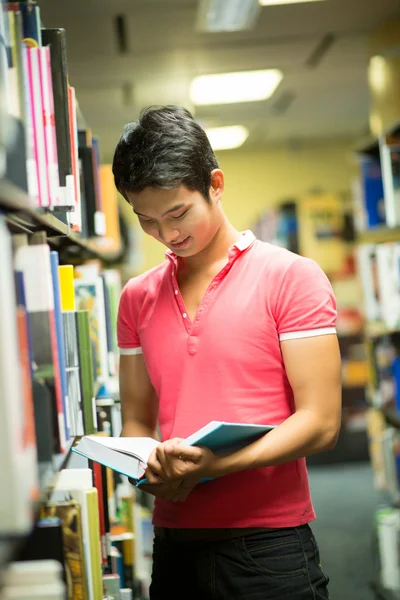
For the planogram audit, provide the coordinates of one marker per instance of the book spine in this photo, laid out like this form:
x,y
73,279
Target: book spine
x,y
37,120
49,126
60,340
76,216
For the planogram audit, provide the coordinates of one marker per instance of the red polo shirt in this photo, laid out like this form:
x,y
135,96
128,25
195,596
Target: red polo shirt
x,y
227,365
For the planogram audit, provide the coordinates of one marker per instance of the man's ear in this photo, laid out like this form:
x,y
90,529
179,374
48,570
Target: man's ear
x,y
217,185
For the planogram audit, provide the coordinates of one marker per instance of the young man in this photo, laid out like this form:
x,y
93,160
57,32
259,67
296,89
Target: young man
x,y
232,329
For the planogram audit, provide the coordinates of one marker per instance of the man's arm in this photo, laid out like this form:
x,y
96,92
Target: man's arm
x,y
139,402
313,369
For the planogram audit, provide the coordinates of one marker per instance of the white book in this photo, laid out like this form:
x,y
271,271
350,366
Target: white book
x,y
31,167
45,591
367,268
17,458
34,73
391,194
388,263
129,456
32,572
49,125
76,484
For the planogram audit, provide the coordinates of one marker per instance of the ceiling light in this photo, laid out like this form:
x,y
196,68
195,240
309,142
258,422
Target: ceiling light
x,y
227,15
227,138
276,2
227,88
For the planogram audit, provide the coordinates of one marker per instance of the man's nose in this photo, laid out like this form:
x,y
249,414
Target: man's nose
x,y
168,234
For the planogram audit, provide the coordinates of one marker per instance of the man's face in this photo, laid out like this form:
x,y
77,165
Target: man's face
x,y
180,219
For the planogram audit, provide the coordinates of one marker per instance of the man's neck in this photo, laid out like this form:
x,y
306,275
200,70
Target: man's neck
x,y
216,251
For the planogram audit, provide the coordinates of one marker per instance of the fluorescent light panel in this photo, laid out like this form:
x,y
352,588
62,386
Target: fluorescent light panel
x,y
276,2
227,138
227,15
228,88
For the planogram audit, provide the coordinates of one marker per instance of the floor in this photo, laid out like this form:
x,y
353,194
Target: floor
x,y
345,502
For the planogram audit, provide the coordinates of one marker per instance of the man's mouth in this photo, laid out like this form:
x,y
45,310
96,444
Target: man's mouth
x,y
181,244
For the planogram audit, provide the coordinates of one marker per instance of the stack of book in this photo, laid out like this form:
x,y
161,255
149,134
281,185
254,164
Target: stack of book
x,y
49,152
75,524
379,270
377,190
58,364
59,325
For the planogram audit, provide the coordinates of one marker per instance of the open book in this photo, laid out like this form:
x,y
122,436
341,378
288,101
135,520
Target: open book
x,y
129,456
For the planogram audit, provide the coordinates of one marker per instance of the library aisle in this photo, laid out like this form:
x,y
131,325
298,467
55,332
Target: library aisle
x,y
345,501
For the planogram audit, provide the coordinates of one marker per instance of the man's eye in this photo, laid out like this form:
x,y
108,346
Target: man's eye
x,y
181,215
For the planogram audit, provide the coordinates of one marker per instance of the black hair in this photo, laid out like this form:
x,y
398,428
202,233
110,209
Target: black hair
x,y
164,148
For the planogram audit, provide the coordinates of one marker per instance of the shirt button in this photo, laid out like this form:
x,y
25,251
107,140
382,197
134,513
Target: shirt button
x,y
176,292
184,315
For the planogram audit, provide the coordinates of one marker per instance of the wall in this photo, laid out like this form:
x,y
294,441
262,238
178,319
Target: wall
x,y
258,178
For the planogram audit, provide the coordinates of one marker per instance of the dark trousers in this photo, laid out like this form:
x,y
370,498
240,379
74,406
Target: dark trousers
x,y
269,564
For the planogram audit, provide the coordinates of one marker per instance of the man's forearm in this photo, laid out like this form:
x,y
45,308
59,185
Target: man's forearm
x,y
138,429
300,435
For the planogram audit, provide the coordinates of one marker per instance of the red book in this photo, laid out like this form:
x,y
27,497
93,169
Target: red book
x,y
34,262
98,483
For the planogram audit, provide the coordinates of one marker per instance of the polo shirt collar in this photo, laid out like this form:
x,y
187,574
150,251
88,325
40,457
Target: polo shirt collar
x,y
246,240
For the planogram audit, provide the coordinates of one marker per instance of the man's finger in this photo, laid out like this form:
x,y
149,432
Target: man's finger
x,y
153,478
190,453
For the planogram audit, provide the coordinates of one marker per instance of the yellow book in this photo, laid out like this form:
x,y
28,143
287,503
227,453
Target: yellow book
x,y
67,288
112,240
95,544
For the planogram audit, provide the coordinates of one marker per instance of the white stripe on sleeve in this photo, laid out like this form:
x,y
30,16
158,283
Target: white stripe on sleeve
x,y
130,351
295,335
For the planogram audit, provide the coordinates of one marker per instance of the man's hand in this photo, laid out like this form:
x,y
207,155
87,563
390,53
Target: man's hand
x,y
174,491
171,461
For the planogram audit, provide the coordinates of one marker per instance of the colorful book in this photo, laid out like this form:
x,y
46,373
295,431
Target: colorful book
x,y
86,372
66,273
34,77
90,296
34,262
56,39
78,485
49,125
58,316
69,513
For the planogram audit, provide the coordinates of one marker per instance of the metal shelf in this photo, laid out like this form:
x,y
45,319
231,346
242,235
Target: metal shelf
x,y
374,329
48,473
23,217
379,235
392,418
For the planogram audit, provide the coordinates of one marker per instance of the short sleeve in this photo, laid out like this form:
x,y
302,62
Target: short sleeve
x,y
306,305
128,338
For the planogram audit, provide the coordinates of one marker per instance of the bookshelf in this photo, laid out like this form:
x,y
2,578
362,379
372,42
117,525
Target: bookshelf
x,y
377,219
60,282
24,217
379,235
